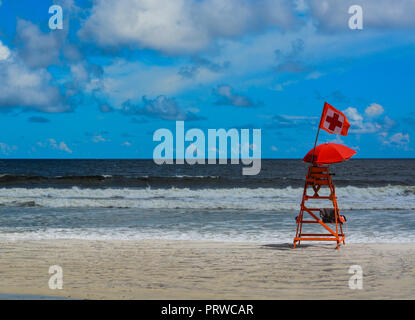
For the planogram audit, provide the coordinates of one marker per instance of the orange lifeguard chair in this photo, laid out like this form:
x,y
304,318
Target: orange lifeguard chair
x,y
316,178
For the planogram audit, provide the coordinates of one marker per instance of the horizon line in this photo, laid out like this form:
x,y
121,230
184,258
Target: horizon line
x,y
360,158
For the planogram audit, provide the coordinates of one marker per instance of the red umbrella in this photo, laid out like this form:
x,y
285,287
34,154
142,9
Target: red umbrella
x,y
329,153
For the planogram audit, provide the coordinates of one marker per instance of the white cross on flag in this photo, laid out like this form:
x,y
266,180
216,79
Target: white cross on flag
x,y
334,121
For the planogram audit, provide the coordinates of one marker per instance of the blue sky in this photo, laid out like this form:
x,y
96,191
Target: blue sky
x,y
119,70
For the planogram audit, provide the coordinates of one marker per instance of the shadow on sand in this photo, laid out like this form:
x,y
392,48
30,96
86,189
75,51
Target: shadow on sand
x,y
285,246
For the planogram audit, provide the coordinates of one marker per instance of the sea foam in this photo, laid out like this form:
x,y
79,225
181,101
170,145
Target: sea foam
x,y
260,199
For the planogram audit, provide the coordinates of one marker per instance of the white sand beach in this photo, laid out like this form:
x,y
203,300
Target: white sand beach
x,y
161,269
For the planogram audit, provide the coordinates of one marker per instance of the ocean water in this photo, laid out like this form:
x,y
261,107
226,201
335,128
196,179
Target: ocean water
x,y
137,199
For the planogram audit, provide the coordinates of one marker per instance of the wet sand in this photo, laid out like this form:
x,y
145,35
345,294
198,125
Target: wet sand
x,y
161,269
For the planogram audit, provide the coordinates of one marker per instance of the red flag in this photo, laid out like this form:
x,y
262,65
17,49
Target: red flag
x,y
334,121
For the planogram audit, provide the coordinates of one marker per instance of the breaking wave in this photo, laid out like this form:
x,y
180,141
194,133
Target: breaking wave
x,y
259,199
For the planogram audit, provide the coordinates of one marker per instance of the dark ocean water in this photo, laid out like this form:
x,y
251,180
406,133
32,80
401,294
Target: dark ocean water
x,y
145,173
137,199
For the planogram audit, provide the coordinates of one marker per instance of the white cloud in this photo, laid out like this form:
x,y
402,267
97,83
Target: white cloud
x,y
388,123
121,79
161,107
64,147
248,58
337,140
282,86
98,138
79,72
374,110
301,5
26,81
314,75
4,52
126,144
24,87
37,49
362,125
228,97
181,26
353,115
193,110
398,139
55,145
6,149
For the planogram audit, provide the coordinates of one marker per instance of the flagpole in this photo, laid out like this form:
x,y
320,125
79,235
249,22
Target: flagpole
x,y
315,143
318,131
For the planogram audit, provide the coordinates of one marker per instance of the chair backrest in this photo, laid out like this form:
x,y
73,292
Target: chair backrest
x,y
328,215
